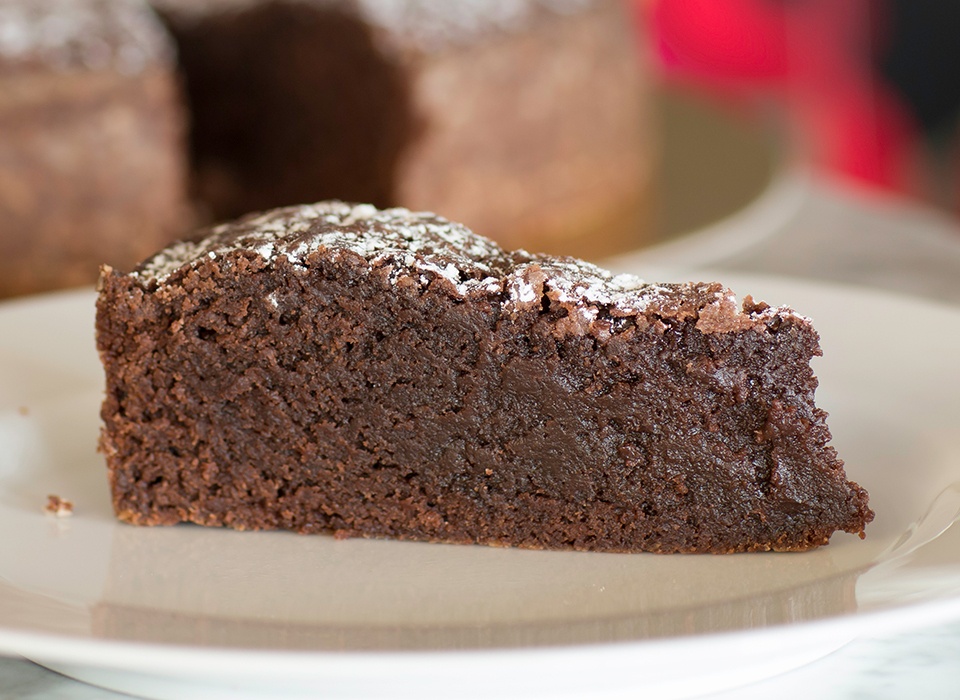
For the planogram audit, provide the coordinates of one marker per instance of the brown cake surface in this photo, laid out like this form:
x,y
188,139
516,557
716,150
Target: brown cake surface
x,y
336,368
446,106
92,167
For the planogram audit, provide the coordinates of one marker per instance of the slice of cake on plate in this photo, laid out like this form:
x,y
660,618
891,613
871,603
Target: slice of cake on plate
x,y
338,368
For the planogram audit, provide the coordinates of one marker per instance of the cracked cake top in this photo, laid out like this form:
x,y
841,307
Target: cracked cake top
x,y
426,248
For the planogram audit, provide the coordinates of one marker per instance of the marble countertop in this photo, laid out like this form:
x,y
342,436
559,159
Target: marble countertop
x,y
803,228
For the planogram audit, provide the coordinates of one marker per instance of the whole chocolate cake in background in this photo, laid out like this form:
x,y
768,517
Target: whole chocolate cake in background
x,y
92,167
521,118
537,106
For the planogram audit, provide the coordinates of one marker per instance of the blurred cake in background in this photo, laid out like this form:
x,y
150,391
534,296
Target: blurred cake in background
x,y
522,118
91,158
526,119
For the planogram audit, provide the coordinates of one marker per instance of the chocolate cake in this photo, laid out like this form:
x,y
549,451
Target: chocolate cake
x,y
534,104
92,167
337,368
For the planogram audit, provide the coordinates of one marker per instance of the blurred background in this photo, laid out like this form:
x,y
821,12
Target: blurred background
x,y
807,138
867,91
584,127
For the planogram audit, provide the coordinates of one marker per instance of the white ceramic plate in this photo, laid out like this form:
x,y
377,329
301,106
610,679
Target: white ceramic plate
x,y
189,612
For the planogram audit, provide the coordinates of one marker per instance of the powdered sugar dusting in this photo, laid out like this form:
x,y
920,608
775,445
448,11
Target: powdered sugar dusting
x,y
433,24
410,243
426,24
522,291
121,35
575,282
424,249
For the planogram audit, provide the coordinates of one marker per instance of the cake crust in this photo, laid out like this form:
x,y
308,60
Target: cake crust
x,y
338,368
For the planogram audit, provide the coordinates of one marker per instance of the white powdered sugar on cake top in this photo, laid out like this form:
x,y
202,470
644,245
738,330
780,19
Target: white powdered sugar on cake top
x,y
432,24
424,247
412,242
425,24
121,35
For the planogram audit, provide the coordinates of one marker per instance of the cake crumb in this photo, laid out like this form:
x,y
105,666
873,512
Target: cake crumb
x,y
59,507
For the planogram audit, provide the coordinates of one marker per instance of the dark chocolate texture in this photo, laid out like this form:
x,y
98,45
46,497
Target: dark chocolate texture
x,y
335,368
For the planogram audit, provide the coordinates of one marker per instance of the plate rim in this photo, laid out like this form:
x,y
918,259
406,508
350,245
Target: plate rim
x,y
18,641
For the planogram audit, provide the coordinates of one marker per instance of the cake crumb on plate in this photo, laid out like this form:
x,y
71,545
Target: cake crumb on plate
x,y
59,507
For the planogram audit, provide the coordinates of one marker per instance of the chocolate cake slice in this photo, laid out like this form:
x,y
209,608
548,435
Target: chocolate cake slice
x,y
337,368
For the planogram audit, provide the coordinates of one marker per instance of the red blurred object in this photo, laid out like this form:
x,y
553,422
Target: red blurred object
x,y
815,58
734,44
